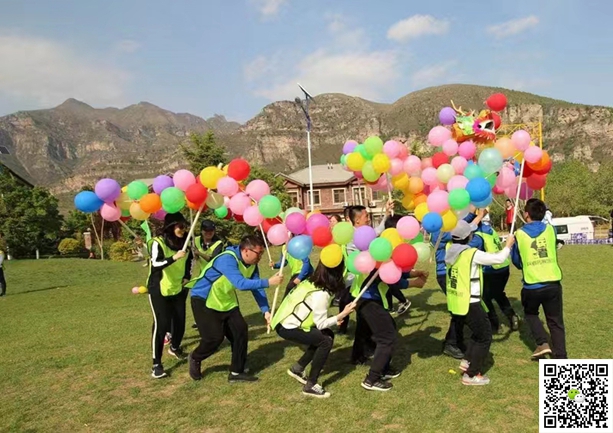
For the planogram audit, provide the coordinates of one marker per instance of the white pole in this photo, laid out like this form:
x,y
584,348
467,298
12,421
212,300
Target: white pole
x,y
521,176
310,169
274,299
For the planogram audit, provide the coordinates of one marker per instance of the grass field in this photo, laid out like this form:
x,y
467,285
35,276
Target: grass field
x,y
77,358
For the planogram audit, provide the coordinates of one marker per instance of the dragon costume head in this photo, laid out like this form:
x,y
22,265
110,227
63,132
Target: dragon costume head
x,y
481,128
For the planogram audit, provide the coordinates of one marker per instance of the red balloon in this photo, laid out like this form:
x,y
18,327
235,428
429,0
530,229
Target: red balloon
x,y
229,215
497,102
322,236
196,193
404,256
238,218
497,190
537,181
497,120
125,219
545,169
238,169
439,159
269,222
527,171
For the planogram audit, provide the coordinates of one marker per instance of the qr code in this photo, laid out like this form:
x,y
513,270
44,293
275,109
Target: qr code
x,y
575,394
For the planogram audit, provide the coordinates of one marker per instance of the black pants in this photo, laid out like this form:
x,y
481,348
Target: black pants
x,y
395,292
168,313
550,297
2,283
455,333
480,340
494,285
319,344
291,284
375,322
213,326
344,299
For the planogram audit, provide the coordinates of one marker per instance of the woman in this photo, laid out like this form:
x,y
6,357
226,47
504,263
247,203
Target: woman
x,y
169,271
303,318
334,220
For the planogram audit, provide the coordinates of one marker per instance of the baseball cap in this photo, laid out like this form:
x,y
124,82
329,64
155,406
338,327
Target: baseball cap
x,y
207,226
462,230
172,219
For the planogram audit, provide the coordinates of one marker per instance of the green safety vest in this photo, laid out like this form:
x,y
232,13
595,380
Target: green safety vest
x,y
2,265
209,250
289,306
172,276
358,283
295,265
345,259
492,245
459,281
539,256
222,296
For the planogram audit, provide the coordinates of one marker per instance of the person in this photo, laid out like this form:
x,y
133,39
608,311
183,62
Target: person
x,y
548,219
215,304
535,254
509,209
334,220
169,271
495,277
465,297
303,318
300,269
2,279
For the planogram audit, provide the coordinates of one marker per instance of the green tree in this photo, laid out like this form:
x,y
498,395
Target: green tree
x,y
203,151
76,223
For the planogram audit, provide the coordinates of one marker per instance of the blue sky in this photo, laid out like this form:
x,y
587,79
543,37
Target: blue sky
x,y
232,57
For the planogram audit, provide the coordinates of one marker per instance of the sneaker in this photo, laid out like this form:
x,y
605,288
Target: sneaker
x,y
300,376
514,322
379,385
464,364
167,339
475,380
391,374
403,307
177,353
453,351
241,377
541,350
157,372
194,326
195,371
316,391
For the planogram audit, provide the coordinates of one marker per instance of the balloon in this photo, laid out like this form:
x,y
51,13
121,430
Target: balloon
x,y
506,177
447,116
403,152
415,185
438,201
270,206
331,256
322,236
401,181
459,164
407,202
425,163
496,102
107,190
533,154
125,213
162,182
546,167
215,200
393,236
142,290
459,199
173,199
419,199
159,215
316,220
369,172
192,206
473,171
362,151
444,173
210,176
421,210
269,222
478,189
342,233
252,216
123,202
391,148
355,161
462,213
490,160
300,247
87,201
292,210
196,193
137,189
521,140
408,227
497,190
412,165
404,256
429,176
109,212
349,147
256,189
505,147
467,149
380,249
390,273
183,179
396,166
137,213
239,203
364,263
457,182
381,163
423,252
278,235
483,203
150,203
438,135
227,186
373,145
525,192
363,236
350,262
238,169
432,222
295,223
450,147
221,212
135,290
450,220
439,159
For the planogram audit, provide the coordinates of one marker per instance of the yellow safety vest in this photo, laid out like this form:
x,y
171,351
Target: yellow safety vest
x,y
290,305
295,265
459,281
172,276
492,245
358,283
539,256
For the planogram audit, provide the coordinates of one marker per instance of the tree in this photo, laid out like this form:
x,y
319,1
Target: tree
x,y
203,151
76,223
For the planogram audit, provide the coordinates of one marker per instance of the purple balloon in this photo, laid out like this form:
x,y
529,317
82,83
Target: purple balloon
x,y
447,116
162,182
349,147
107,190
363,236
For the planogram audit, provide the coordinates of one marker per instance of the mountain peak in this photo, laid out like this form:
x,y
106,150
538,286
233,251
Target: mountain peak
x,y
74,104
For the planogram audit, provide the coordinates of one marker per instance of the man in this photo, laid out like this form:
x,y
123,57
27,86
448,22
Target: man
x,y
509,211
2,280
215,304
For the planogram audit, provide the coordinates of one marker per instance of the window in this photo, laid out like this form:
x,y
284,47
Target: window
x,y
338,196
294,196
377,195
561,230
316,199
357,200
4,151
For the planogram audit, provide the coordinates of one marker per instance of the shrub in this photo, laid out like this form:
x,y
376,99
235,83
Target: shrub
x,y
69,246
121,252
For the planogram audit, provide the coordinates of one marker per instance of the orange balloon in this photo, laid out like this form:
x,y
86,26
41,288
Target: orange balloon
x,y
542,163
419,199
505,147
150,203
192,205
416,185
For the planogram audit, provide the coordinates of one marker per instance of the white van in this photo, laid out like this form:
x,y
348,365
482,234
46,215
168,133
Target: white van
x,y
574,229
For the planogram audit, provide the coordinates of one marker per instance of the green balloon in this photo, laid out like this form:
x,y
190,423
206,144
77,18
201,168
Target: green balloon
x,y
343,160
290,211
491,178
173,199
172,208
362,150
125,212
342,233
459,199
351,262
423,252
221,212
270,206
418,239
137,189
380,249
472,171
373,145
369,173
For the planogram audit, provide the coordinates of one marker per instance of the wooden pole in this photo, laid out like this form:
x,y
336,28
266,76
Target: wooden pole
x,y
193,226
438,242
128,229
274,299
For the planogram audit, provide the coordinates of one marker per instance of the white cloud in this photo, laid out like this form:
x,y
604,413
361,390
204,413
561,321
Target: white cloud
x,y
344,34
268,8
128,46
512,27
416,26
42,72
435,74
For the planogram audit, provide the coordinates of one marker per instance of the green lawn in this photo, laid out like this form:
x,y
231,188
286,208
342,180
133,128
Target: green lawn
x,y
77,358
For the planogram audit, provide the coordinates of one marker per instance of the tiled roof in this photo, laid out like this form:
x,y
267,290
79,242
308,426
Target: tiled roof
x,y
325,173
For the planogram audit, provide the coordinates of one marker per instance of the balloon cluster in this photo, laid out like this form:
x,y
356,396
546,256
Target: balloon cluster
x,y
373,160
136,290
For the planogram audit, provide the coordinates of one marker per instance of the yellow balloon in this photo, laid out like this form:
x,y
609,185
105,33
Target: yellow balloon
x,y
137,213
416,185
519,157
381,163
124,188
210,176
355,161
123,202
142,290
311,213
393,236
407,202
331,256
450,220
401,181
225,170
420,211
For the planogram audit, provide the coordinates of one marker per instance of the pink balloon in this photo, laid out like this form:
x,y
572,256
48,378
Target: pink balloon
x,y
408,227
397,166
315,221
497,190
525,192
429,176
533,154
457,182
426,162
358,175
438,201
278,234
256,189
381,184
159,215
252,216
239,202
110,212
364,262
467,149
459,164
183,179
135,290
438,135
506,177
440,186
296,223
390,273
412,165
521,140
226,202
403,153
391,148
227,186
450,147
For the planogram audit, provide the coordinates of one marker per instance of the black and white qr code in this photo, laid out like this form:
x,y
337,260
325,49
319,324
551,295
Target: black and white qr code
x,y
575,395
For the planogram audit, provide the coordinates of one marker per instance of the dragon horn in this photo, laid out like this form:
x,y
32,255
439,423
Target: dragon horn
x,y
457,110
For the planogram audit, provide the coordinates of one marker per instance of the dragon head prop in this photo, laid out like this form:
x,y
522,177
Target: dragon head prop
x,y
481,127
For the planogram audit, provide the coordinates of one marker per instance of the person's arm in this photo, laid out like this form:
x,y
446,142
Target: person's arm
x,y
188,267
158,260
260,295
318,301
381,227
1,258
489,259
516,258
306,268
217,251
477,242
228,267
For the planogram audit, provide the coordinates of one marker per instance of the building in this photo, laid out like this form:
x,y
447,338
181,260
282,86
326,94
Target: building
x,y
9,162
334,188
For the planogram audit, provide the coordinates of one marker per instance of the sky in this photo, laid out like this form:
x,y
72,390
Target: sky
x,y
233,57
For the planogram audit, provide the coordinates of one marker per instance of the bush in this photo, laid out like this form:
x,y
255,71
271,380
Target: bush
x,y
69,246
121,252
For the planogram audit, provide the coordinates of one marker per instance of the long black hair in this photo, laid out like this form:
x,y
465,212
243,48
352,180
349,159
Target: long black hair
x,y
329,279
168,232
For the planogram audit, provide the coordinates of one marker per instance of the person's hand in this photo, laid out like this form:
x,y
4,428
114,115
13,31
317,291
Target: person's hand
x,y
272,264
389,207
349,308
275,280
419,282
138,241
268,318
185,281
510,241
179,255
296,281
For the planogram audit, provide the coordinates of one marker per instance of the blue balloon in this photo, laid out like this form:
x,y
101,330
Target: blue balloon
x,y
478,189
484,203
432,222
300,247
87,201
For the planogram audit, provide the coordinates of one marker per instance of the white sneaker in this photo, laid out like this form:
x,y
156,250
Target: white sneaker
x,y
475,380
464,365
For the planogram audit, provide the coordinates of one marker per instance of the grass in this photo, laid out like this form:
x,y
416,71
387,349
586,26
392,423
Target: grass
x,y
77,358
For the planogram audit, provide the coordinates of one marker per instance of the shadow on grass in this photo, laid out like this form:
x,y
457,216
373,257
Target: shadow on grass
x,y
37,290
